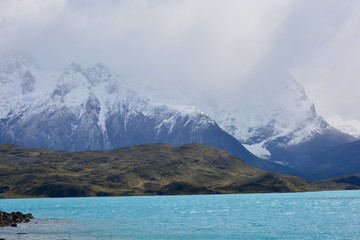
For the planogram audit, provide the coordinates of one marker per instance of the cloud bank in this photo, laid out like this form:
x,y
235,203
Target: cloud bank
x,y
207,48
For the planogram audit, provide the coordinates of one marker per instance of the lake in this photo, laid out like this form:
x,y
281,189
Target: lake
x,y
313,215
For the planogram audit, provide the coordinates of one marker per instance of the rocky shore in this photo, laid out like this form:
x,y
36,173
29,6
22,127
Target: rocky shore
x,y
12,219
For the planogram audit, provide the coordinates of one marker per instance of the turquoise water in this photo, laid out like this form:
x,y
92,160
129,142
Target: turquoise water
x,y
318,215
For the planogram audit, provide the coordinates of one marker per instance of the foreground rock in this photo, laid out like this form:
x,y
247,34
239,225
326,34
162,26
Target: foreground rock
x,y
12,219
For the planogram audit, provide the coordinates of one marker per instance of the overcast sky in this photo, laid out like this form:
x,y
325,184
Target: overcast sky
x,y
208,46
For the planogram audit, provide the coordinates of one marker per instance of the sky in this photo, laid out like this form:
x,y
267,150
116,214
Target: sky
x,y
207,48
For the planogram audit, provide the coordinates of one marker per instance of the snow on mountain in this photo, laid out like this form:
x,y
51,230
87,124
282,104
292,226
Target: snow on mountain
x,y
278,123
21,83
94,109
286,114
275,121
259,150
351,127
91,94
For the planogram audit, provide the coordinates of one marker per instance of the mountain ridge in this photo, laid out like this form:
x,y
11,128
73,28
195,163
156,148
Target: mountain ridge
x,y
93,109
276,122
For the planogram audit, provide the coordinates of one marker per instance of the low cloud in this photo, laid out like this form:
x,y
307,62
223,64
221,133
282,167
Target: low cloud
x,y
208,48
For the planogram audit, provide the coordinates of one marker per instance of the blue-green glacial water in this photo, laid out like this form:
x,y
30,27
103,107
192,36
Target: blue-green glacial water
x,y
315,215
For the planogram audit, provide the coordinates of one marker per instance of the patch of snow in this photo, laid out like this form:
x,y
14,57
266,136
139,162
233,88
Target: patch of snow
x,y
281,163
285,112
12,74
259,150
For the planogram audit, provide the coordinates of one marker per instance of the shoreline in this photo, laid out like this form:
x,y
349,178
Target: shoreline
x,y
186,194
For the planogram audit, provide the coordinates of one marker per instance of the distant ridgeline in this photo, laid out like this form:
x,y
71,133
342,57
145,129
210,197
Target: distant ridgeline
x,y
154,169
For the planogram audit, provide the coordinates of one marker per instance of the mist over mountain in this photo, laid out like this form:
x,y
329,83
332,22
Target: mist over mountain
x,y
351,127
95,109
275,120
280,124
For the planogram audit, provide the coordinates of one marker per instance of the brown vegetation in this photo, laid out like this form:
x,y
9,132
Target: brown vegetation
x,y
154,169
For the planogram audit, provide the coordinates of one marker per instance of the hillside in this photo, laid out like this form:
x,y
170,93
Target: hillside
x,y
341,160
154,169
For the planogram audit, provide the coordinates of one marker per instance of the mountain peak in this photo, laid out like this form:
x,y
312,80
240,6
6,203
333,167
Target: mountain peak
x,y
15,63
73,68
295,89
99,65
73,77
283,115
99,73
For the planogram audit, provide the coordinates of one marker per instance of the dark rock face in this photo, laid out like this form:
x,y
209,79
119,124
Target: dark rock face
x,y
11,219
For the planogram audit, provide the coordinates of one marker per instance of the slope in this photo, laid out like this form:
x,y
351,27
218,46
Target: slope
x,y
272,118
341,160
277,121
153,169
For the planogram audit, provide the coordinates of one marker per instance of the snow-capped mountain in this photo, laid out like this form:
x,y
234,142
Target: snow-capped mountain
x,y
286,114
21,83
276,122
93,109
282,126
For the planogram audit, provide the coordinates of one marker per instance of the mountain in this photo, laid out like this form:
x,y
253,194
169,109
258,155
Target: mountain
x,y
154,169
274,120
341,160
93,109
21,82
279,124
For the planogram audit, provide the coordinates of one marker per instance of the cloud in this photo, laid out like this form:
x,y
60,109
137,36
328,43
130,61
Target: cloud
x,y
164,40
331,74
24,20
204,47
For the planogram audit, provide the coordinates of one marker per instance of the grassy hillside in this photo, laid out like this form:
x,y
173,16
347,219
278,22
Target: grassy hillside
x,y
154,169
